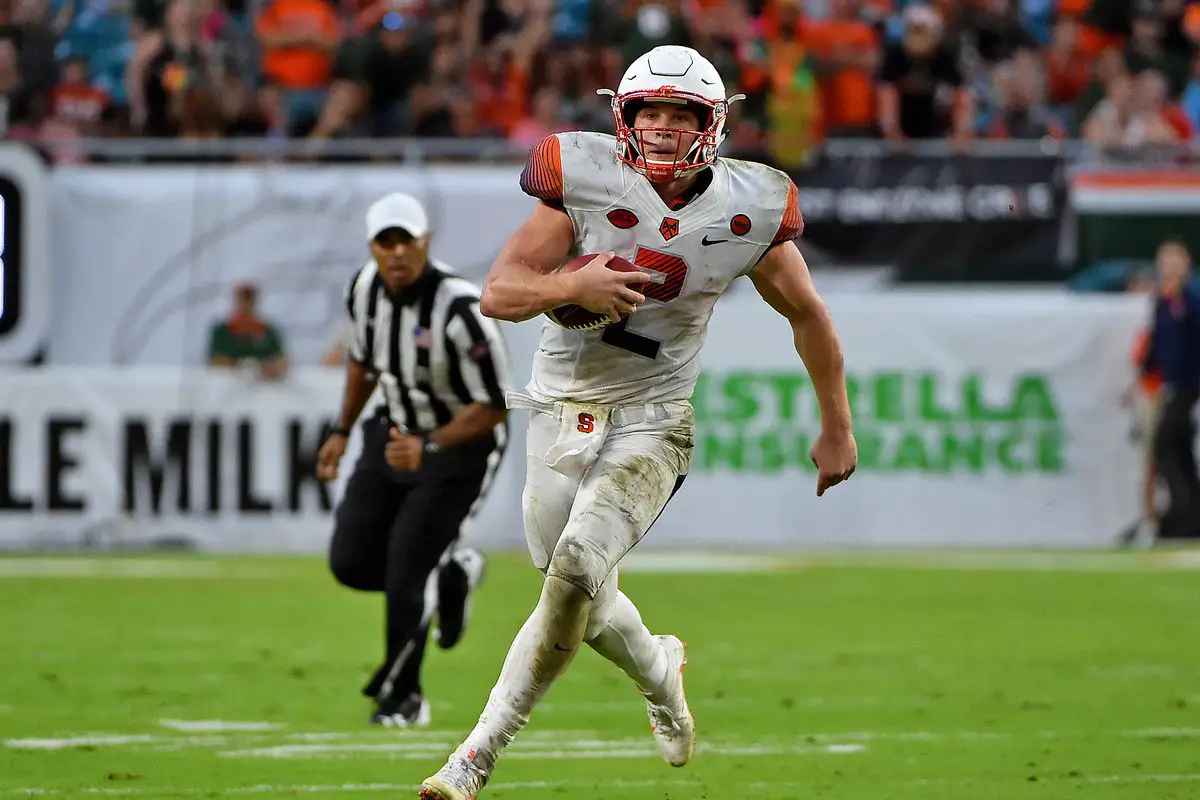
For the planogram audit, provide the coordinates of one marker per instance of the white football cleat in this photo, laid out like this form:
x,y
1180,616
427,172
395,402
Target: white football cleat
x,y
460,779
670,720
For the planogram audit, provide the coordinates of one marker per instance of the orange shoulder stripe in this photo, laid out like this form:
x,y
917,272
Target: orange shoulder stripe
x,y
543,176
792,224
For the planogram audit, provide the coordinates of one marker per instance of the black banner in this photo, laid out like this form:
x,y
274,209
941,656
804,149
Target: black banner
x,y
954,218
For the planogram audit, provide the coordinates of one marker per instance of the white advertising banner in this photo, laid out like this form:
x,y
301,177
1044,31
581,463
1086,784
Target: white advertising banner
x,y
982,420
146,260
164,457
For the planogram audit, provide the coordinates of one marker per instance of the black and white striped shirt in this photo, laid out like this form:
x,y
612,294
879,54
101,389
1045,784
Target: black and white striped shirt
x,y
432,350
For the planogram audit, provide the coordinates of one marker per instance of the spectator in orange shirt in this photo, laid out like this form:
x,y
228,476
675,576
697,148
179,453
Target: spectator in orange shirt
x,y
1067,69
298,40
846,52
778,77
1103,24
76,101
499,81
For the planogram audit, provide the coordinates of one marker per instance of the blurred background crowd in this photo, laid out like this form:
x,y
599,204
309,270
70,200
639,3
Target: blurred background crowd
x,y
1111,72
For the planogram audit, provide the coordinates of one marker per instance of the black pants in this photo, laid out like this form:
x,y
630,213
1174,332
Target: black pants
x,y
1175,461
389,537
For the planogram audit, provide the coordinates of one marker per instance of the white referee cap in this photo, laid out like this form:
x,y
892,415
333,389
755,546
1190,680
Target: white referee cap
x,y
397,210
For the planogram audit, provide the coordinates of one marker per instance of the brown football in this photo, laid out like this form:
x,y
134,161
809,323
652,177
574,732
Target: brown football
x,y
576,317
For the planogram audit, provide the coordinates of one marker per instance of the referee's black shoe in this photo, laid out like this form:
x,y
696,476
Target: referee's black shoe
x,y
457,579
408,712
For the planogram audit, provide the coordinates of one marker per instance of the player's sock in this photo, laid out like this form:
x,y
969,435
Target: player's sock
x,y
626,642
541,651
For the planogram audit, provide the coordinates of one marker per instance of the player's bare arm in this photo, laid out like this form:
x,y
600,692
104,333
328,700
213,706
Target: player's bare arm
x,y
524,280
783,280
358,388
521,283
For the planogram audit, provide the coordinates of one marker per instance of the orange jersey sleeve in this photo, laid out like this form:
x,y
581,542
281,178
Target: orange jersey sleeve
x,y
543,176
792,224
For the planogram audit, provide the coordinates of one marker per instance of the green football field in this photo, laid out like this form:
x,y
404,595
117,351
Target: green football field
x,y
955,676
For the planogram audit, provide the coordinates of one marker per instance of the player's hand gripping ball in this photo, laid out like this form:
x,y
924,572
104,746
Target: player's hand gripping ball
x,y
577,318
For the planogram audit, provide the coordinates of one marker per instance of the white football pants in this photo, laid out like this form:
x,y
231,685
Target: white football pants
x,y
597,478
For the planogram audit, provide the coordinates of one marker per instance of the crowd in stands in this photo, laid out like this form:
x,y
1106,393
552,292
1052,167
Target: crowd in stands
x,y
1113,72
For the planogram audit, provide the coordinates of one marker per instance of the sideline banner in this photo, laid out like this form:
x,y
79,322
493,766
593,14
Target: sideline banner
x,y
169,458
148,257
982,420
956,218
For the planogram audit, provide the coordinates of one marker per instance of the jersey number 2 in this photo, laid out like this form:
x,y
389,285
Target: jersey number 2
x,y
668,272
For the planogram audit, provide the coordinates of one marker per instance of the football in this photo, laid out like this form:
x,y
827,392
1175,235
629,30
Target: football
x,y
576,317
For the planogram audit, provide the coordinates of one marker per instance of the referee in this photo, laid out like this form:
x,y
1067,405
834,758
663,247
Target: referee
x,y
429,451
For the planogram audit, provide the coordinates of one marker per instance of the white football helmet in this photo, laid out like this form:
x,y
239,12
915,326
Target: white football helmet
x,y
670,74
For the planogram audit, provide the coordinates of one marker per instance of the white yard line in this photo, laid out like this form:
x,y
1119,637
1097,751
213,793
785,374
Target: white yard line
x,y
217,725
634,704
534,751
256,742
246,736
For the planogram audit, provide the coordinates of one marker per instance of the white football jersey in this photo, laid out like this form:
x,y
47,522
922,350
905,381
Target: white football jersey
x,y
693,254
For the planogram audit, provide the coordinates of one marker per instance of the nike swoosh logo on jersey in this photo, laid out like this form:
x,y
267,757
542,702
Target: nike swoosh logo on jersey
x,y
707,242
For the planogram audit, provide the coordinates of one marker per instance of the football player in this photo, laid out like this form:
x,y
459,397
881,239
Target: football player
x,y
611,430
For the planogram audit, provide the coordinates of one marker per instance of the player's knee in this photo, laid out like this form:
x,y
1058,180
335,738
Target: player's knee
x,y
578,564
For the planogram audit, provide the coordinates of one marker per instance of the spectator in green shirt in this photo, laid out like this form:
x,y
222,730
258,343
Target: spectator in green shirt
x,y
246,336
